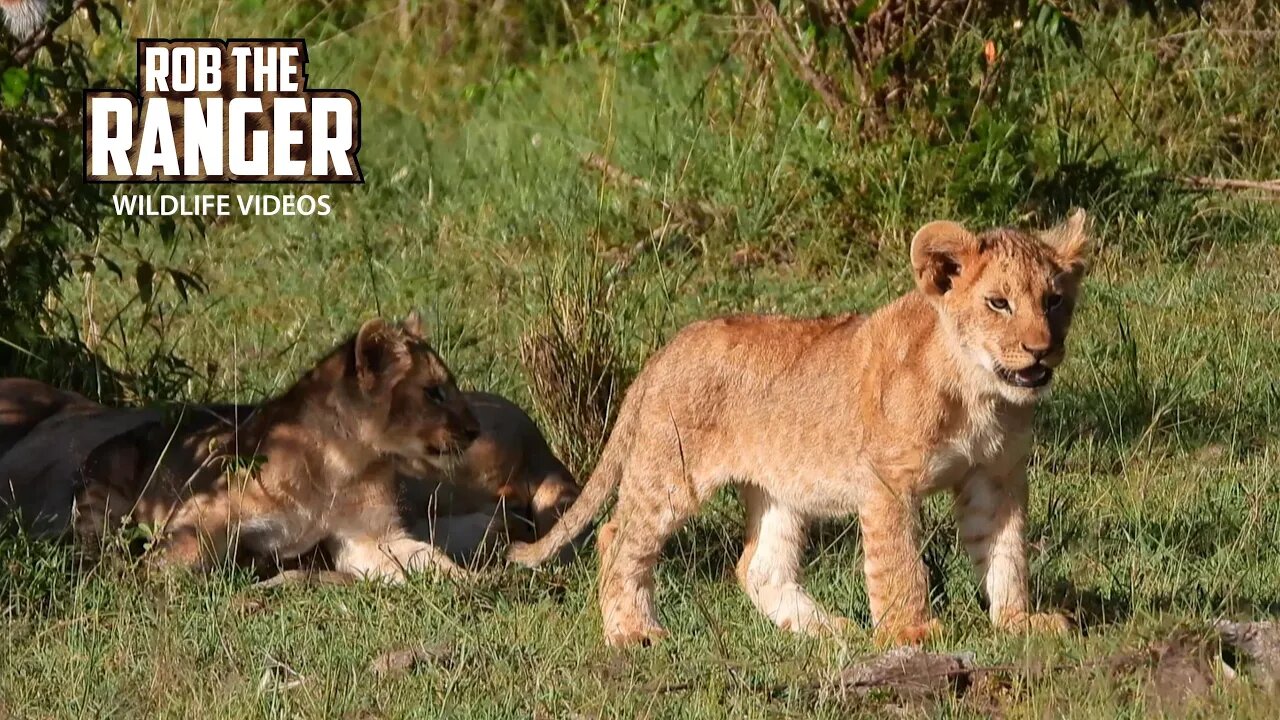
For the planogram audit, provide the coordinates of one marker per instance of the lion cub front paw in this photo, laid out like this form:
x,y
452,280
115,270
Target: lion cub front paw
x,y
819,625
893,635
628,637
173,557
1050,623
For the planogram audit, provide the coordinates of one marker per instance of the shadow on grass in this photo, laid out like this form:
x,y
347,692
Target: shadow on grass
x,y
69,364
1117,426
1095,609
1186,543
1177,226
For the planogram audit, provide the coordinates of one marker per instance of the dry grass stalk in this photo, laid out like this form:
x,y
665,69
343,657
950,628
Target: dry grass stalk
x,y
576,376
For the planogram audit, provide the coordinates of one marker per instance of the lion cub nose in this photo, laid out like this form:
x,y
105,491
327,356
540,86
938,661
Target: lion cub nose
x,y
470,432
1037,351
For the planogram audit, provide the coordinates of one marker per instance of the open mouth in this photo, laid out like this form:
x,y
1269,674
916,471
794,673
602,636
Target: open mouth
x,y
1035,376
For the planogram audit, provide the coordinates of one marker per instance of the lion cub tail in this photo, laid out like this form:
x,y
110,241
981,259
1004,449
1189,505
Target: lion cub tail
x,y
594,495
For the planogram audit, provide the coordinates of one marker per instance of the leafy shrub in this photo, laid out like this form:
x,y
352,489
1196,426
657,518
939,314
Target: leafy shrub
x,y
53,225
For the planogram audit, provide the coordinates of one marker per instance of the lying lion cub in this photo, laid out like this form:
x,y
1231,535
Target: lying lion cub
x,y
315,465
827,417
507,484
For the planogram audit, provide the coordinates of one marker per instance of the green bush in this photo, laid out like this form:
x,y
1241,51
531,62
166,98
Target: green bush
x,y
53,225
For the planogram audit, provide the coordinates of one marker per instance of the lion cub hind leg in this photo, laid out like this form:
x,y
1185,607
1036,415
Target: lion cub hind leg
x,y
629,546
390,559
198,535
769,570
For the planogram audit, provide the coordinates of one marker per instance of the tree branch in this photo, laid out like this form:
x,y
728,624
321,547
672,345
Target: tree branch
x,y
1210,183
826,89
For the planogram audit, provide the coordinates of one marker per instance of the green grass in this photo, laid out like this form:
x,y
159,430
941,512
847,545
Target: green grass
x,y
1155,499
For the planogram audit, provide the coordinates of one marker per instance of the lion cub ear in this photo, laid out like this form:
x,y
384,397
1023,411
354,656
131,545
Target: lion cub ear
x,y
938,252
381,356
412,326
1071,241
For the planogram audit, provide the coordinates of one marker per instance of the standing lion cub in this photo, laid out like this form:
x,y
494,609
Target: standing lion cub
x,y
837,416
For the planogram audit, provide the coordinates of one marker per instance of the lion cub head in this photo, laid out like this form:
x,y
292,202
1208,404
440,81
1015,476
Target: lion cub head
x,y
1006,296
407,403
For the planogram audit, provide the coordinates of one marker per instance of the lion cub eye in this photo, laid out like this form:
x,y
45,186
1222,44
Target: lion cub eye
x,y
1052,301
998,304
435,394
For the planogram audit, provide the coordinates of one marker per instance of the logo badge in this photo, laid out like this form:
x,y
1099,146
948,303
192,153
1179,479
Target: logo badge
x,y
233,111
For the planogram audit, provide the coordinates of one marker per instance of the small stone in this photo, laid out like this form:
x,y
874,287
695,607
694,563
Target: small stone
x,y
403,660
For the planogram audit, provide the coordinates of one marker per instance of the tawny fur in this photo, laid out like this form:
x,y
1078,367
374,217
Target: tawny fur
x,y
24,404
846,416
46,435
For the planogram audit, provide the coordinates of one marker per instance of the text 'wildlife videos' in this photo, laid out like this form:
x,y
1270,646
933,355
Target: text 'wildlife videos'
x,y
141,205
